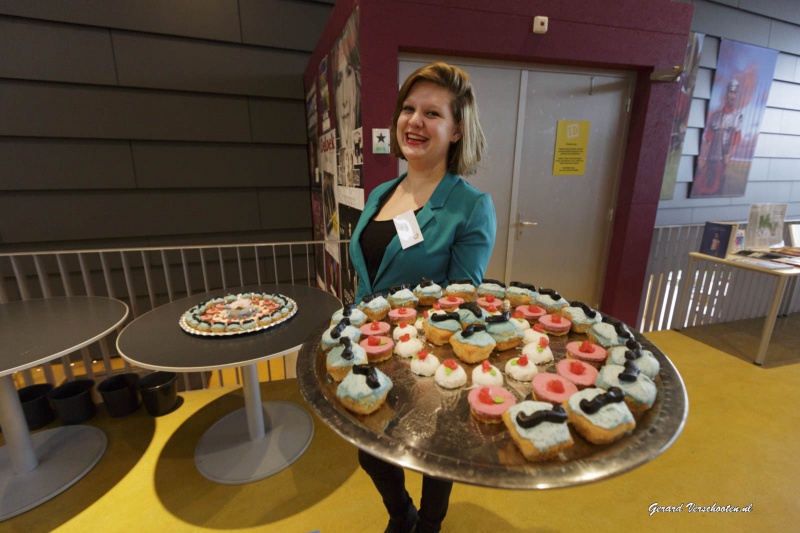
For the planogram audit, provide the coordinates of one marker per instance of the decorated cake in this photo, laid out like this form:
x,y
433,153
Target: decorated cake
x,y
234,314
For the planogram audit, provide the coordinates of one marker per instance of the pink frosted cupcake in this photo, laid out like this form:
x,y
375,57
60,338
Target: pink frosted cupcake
x,y
450,303
402,314
555,324
378,348
552,388
375,328
585,351
531,312
581,374
489,300
488,404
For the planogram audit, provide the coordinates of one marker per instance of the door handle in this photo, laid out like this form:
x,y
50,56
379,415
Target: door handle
x,y
523,224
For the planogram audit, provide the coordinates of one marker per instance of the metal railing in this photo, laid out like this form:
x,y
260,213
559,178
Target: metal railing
x,y
717,293
145,278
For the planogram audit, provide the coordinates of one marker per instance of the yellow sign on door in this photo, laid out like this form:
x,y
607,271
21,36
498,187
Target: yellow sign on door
x,y
572,141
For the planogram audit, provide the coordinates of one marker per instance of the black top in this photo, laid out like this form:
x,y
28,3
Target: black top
x,y
375,239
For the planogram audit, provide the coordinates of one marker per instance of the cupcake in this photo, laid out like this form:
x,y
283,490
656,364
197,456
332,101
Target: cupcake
x,y
640,391
342,358
424,363
399,314
355,315
364,389
450,303
555,324
581,315
461,288
552,388
440,327
469,314
521,368
608,334
587,352
375,306
600,416
488,403
378,348
375,328
538,429
330,338
427,292
531,312
472,345
406,346
505,334
404,329
538,353
491,286
401,296
633,351
487,375
450,375
581,374
550,300
519,293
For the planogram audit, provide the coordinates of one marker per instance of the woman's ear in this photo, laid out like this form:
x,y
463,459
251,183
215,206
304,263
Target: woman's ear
x,y
456,134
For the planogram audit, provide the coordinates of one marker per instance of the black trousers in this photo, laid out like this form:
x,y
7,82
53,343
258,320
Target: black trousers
x,y
390,481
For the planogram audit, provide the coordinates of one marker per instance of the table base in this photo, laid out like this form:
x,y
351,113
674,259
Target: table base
x,y
65,455
226,453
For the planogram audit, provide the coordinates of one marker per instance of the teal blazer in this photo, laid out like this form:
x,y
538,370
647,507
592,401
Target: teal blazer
x,y
458,227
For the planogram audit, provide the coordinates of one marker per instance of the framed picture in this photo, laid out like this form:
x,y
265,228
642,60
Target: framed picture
x,y
718,238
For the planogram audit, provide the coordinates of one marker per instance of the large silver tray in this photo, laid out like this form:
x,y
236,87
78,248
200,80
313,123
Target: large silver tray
x,y
429,429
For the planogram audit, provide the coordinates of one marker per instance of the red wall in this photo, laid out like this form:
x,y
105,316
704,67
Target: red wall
x,y
639,35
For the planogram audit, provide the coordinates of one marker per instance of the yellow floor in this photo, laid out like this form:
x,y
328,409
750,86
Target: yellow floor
x,y
739,447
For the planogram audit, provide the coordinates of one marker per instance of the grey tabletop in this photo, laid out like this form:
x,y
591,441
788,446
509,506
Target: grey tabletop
x,y
429,429
33,332
155,340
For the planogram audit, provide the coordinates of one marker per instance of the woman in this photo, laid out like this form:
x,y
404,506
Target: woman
x,y
435,128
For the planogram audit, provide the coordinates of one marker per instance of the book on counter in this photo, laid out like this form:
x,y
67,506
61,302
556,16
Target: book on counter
x,y
719,238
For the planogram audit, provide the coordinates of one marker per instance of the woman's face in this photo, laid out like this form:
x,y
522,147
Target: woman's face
x,y
346,96
426,127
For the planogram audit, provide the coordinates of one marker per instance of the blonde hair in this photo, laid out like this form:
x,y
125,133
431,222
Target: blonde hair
x,y
464,154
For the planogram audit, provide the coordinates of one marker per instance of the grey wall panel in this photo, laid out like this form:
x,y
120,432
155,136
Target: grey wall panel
x,y
34,217
778,9
204,19
795,197
785,37
790,123
674,217
174,63
51,110
174,165
771,121
767,191
44,51
784,169
730,23
785,67
37,164
283,23
681,200
759,170
784,95
691,142
686,169
278,121
702,87
770,145
731,213
285,208
697,113
708,56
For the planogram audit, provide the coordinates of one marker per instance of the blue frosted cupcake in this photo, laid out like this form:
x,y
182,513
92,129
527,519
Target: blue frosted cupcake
x,y
356,316
343,357
364,389
331,337
427,292
633,351
375,306
401,296
504,333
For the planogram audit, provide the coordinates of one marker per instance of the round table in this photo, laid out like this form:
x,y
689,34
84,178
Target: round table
x,y
262,438
36,467
429,429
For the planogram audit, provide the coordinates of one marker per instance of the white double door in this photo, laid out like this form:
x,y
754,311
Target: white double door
x,y
553,231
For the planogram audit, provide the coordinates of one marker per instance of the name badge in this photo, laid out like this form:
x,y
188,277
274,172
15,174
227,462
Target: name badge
x,y
408,229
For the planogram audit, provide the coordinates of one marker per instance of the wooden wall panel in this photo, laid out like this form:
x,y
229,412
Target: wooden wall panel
x,y
283,23
203,19
278,121
185,65
53,110
44,51
47,164
36,217
284,208
185,165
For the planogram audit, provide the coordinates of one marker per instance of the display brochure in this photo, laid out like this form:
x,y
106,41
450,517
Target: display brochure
x,y
764,259
718,238
765,226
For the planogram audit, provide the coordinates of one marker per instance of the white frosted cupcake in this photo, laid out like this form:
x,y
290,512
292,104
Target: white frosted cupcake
x,y
488,375
534,336
538,353
407,346
521,368
406,329
450,375
520,322
424,363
